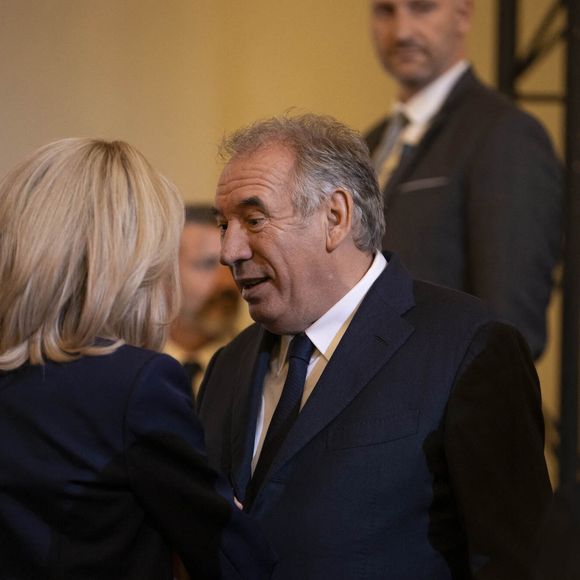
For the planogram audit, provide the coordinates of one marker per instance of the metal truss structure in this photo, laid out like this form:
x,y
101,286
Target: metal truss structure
x,y
513,63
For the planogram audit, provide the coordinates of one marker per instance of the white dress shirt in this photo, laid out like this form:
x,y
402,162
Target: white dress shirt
x,y
422,107
325,334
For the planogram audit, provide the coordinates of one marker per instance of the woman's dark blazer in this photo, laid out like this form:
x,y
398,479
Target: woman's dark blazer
x,y
103,473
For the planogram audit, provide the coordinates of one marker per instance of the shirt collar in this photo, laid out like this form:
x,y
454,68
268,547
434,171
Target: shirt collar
x,y
423,106
323,331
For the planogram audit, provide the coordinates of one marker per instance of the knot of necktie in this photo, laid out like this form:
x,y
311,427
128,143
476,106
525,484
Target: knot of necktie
x,y
301,347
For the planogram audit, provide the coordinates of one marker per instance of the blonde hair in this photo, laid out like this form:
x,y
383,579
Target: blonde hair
x,y
89,235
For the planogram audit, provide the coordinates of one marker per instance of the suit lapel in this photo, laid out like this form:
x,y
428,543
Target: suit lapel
x,y
376,332
409,157
246,406
466,82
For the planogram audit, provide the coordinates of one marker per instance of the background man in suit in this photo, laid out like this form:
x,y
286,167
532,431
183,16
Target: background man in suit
x,y
210,299
413,449
471,182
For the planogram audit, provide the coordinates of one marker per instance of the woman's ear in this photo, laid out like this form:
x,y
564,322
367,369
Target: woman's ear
x,y
339,218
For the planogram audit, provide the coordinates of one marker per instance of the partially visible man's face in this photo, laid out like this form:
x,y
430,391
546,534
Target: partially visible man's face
x,y
418,40
209,294
278,258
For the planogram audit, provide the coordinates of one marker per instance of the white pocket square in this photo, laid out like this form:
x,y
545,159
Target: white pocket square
x,y
426,183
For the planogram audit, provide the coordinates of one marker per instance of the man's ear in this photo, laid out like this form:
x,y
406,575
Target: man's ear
x,y
464,14
339,218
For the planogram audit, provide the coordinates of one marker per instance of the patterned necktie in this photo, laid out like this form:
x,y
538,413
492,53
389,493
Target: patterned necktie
x,y
388,153
287,410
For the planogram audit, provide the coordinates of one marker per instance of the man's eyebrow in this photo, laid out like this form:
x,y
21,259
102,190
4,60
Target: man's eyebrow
x,y
253,201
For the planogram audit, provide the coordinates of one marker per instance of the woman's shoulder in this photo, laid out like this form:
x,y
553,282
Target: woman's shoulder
x,y
130,359
118,369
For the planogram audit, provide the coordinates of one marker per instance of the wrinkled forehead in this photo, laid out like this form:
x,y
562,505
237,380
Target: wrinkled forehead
x,y
271,153
263,174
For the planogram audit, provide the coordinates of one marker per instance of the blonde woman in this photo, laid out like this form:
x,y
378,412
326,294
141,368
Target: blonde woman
x,y
102,468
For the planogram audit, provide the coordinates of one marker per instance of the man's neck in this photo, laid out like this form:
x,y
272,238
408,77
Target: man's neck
x,y
408,92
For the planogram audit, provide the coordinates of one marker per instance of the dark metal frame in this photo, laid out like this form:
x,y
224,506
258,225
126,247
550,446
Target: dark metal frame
x,y
512,64
569,432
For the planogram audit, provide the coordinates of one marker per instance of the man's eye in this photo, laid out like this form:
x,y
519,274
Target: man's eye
x,y
255,222
382,12
423,6
222,228
383,9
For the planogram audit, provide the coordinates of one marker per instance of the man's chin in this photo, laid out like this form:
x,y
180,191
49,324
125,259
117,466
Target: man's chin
x,y
262,315
411,76
257,313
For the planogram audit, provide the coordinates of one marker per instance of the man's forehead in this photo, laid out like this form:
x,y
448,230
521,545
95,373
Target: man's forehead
x,y
411,2
196,236
251,180
240,202
267,156
193,231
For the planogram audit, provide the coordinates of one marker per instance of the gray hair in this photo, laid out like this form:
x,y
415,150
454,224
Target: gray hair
x,y
328,156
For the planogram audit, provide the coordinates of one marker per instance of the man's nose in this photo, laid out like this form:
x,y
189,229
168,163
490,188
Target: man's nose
x,y
235,246
402,24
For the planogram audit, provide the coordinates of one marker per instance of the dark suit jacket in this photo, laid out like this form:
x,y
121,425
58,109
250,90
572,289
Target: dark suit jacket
x,y
102,472
557,556
477,206
419,454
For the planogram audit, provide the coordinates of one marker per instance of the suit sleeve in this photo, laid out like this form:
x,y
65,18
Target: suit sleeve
x,y
514,213
189,502
494,443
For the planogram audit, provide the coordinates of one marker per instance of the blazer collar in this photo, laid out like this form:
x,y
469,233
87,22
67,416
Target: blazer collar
x,y
466,82
376,332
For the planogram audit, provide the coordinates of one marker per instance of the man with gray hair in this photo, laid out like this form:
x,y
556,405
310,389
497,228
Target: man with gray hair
x,y
377,427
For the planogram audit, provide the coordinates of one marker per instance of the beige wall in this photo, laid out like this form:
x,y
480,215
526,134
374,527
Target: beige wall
x,y
138,70
170,77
